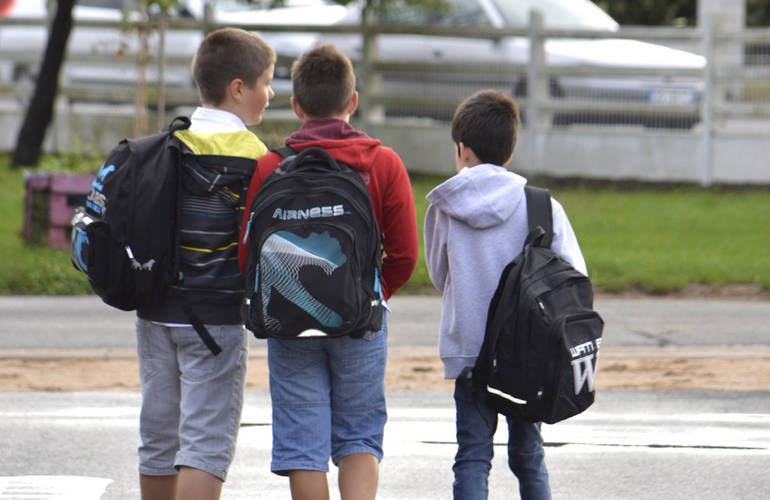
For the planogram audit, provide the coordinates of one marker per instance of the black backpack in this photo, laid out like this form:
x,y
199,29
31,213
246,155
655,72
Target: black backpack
x,y
542,338
124,238
314,258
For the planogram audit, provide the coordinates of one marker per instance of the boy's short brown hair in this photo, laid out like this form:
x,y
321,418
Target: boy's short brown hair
x,y
323,81
228,54
488,123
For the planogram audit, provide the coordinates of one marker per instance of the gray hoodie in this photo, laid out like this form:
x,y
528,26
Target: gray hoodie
x,y
475,225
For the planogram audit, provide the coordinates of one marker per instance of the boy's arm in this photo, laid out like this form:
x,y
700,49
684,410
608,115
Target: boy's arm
x,y
399,221
565,242
435,246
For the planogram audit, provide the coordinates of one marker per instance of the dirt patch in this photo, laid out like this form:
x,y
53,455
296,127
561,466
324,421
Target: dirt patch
x,y
744,370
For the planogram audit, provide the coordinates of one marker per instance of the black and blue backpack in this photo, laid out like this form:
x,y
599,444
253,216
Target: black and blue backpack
x,y
315,256
124,239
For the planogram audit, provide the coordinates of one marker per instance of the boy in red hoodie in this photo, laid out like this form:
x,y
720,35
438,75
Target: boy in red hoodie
x,y
328,395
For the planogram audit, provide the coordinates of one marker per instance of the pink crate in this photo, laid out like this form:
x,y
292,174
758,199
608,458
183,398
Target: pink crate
x,y
65,193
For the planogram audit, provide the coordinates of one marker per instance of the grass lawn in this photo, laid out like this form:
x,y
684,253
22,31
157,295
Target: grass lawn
x,y
659,239
29,269
655,239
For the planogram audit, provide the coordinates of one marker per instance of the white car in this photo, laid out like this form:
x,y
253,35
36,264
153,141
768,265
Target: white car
x,y
559,52
22,45
444,89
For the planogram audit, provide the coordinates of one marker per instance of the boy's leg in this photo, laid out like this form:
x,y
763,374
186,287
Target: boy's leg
x,y
196,484
476,425
159,417
308,485
210,409
358,410
526,458
157,487
359,474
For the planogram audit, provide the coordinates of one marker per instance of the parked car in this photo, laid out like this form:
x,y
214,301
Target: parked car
x,y
22,45
613,53
675,98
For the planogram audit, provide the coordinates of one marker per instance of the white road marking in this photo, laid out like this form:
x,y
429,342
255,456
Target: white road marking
x,y
53,487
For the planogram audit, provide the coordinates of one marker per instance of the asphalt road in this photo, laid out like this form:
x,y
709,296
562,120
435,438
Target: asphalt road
x,y
629,445
86,323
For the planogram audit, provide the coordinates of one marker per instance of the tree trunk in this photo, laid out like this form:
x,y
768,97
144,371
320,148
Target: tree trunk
x,y
40,110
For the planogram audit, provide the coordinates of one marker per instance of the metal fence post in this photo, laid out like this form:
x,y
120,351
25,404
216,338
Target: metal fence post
x,y
536,86
371,79
208,18
707,150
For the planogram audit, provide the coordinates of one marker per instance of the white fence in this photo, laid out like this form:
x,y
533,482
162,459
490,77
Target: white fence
x,y
720,137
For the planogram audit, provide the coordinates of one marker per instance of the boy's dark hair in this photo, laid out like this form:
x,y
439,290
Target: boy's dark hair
x,y
225,55
323,81
487,123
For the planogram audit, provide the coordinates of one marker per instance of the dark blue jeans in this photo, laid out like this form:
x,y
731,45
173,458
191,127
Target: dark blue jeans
x,y
476,426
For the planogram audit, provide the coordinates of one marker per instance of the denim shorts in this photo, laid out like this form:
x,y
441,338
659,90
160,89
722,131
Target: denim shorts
x,y
191,399
328,399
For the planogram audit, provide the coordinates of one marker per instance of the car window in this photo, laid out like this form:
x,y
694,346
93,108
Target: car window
x,y
446,13
268,4
106,4
577,14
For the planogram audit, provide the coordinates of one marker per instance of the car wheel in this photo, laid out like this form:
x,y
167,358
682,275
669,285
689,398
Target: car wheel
x,y
554,89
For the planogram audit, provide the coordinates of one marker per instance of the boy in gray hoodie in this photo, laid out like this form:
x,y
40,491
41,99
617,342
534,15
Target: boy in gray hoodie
x,y
475,225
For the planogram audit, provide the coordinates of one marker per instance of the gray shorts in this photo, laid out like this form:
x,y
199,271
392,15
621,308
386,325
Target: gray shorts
x,y
191,399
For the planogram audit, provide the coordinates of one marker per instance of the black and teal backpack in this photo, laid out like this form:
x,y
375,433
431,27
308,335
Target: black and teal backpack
x,y
314,259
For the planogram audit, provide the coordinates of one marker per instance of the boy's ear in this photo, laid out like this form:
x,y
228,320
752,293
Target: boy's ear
x,y
353,103
235,89
464,152
466,156
297,108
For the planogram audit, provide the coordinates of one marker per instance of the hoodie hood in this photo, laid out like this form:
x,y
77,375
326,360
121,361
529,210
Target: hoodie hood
x,y
340,139
482,196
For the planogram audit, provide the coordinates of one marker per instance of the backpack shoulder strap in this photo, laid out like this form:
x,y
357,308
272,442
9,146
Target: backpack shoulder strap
x,y
539,213
285,151
181,123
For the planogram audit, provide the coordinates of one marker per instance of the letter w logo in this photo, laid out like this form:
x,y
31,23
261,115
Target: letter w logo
x,y
583,372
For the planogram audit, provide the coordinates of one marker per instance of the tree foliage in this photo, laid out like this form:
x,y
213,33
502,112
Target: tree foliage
x,y
674,12
650,12
758,13
153,15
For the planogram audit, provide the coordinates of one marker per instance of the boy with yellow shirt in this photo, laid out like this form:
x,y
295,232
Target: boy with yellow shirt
x,y
191,397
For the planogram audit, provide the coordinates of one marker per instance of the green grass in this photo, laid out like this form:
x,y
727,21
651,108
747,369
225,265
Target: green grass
x,y
663,241
660,239
29,269
655,239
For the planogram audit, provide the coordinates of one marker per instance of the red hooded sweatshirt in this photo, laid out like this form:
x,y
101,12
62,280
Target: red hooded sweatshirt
x,y
385,178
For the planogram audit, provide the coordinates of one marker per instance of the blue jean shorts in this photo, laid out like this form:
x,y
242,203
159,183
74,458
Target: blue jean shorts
x,y
328,399
191,399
